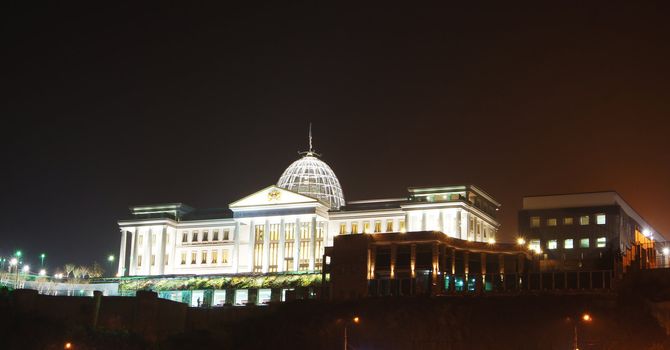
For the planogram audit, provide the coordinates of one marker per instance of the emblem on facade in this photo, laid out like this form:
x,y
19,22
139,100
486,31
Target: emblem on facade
x,y
274,195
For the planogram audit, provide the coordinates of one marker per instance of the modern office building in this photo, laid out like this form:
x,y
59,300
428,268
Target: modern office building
x,y
281,231
587,231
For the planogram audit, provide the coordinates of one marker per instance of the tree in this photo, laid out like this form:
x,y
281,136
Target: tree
x,y
69,269
96,271
84,271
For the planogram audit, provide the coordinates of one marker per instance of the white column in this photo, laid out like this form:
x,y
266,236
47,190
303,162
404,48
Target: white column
x,y
423,221
132,269
296,237
161,251
252,242
122,254
280,249
266,246
236,247
440,221
312,244
147,253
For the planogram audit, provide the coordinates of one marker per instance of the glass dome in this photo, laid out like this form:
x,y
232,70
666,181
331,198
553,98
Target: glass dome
x,y
312,177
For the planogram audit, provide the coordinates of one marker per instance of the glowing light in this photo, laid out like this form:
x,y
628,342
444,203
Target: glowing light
x,y
586,318
26,268
356,319
43,272
646,232
520,241
666,251
110,258
68,345
14,261
18,253
492,241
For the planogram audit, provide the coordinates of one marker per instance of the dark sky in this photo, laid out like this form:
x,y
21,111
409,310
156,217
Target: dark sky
x,y
106,107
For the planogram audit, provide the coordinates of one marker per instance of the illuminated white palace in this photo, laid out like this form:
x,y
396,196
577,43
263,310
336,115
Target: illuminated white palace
x,y
284,227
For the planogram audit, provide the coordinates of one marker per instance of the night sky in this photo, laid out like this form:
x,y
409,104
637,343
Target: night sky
x,y
107,107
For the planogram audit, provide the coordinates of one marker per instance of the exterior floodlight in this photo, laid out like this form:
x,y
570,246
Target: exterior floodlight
x,y
520,241
43,272
356,319
666,251
492,241
26,268
18,253
14,261
110,258
646,232
586,318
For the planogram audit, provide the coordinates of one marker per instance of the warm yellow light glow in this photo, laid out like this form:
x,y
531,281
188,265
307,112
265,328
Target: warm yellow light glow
x,y
492,241
520,241
586,318
68,345
666,251
356,319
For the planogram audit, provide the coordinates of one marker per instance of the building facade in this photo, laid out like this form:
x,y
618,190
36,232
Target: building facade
x,y
284,228
587,231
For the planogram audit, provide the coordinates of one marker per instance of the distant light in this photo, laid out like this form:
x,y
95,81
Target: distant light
x,y
14,261
520,241
356,319
492,241
110,258
18,253
646,232
68,345
666,251
26,268
43,272
587,318
42,255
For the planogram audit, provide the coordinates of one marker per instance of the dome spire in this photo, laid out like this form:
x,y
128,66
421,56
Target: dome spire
x,y
310,137
311,151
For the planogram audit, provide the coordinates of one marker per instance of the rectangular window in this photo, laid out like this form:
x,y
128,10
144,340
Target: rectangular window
x,y
378,226
568,243
224,256
194,237
226,235
389,225
552,244
584,243
205,235
274,232
166,260
215,257
140,238
194,257
153,260
215,235
366,226
258,248
401,225
305,230
567,221
534,221
551,222
354,227
343,229
183,258
601,242
289,232
584,220
601,219
184,237
274,248
534,245
303,263
288,255
139,261
203,257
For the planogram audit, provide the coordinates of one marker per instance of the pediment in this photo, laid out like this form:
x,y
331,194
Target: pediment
x,y
272,195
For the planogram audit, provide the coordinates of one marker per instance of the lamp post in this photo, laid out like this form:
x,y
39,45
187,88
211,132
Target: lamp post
x,y
586,318
354,320
42,256
14,262
111,259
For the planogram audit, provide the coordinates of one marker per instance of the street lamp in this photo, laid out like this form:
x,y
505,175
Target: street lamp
x,y
354,320
520,241
42,256
43,272
26,268
586,318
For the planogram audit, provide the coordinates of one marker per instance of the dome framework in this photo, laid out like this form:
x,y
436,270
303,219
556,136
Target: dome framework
x,y
312,177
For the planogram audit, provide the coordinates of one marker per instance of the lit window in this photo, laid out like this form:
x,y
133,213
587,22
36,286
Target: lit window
x,y
378,226
552,244
584,243
224,256
601,219
343,229
568,244
140,238
551,222
389,225
215,235
534,221
203,259
567,221
584,220
153,259
194,256
226,235
401,225
601,242
204,236
366,226
215,257
194,237
354,227
534,245
184,237
139,260
183,258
